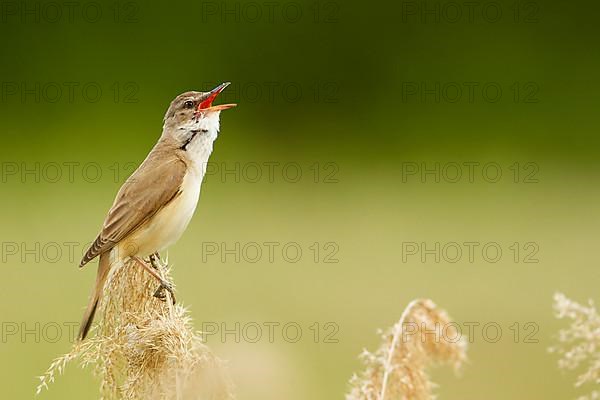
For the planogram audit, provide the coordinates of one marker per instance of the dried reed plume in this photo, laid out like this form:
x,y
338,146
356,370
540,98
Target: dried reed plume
x,y
145,348
424,336
580,342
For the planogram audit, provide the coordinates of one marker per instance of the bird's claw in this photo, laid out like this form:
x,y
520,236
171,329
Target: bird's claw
x,y
160,292
155,261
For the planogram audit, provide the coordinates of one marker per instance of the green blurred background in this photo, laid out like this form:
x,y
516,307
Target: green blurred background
x,y
338,88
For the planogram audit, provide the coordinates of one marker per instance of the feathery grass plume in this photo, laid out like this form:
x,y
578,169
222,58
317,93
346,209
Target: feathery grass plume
x,y
580,342
423,336
144,348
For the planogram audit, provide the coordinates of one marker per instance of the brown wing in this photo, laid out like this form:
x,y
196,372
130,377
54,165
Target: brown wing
x,y
152,186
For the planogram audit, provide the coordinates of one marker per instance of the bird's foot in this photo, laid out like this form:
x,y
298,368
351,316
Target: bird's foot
x,y
156,261
155,270
160,292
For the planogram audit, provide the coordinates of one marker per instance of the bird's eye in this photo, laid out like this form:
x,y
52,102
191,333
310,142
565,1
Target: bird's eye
x,y
188,104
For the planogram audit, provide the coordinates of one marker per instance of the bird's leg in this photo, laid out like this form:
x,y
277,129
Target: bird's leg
x,y
158,265
163,283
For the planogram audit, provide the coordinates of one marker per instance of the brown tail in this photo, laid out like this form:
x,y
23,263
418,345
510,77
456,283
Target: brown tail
x,y
88,316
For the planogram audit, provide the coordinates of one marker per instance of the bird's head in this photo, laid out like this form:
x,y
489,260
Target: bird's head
x,y
192,120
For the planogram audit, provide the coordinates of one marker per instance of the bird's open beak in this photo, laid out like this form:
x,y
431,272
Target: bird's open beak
x,y
206,104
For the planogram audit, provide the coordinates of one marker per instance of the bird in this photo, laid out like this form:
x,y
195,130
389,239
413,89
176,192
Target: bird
x,y
154,205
